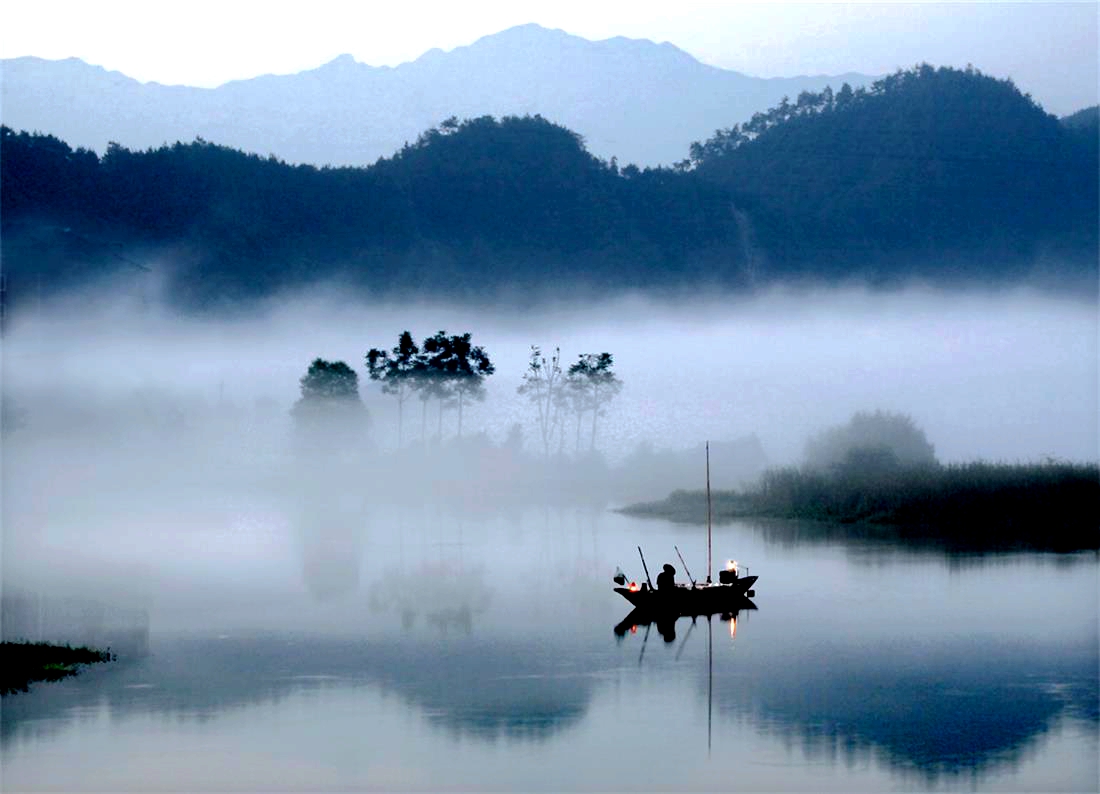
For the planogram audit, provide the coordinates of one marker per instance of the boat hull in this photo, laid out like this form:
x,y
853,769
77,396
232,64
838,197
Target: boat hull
x,y
701,599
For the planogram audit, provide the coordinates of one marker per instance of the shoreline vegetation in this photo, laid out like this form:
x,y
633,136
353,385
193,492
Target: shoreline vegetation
x,y
1052,506
28,662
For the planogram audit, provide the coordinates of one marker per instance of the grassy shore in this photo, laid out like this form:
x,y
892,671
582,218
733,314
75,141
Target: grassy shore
x,y
1052,506
27,662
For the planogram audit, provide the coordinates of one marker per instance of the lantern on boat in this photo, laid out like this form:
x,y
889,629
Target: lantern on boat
x,y
730,574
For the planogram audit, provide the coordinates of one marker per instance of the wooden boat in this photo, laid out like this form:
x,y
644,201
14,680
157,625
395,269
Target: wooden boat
x,y
697,598
685,599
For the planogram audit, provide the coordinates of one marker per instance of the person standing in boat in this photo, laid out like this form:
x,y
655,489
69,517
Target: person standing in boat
x,y
666,579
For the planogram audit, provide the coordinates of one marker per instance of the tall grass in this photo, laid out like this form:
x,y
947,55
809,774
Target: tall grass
x,y
1052,505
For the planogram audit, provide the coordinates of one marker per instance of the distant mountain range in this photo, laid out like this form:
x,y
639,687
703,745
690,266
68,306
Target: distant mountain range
x,y
935,175
641,102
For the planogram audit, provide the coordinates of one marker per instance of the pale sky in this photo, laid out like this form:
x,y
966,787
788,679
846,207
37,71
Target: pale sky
x,y
1048,49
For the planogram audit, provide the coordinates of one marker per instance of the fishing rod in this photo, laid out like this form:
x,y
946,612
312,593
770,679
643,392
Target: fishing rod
x,y
681,556
645,568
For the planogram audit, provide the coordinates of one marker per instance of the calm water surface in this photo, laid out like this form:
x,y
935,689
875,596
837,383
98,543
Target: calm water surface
x,y
417,651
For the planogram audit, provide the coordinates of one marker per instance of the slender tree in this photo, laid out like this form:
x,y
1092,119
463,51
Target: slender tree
x,y
542,385
436,352
596,381
399,371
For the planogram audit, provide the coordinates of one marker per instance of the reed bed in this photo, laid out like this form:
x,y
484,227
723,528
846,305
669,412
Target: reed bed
x,y
1052,505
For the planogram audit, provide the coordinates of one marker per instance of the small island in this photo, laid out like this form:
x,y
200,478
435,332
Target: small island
x,y
877,476
27,662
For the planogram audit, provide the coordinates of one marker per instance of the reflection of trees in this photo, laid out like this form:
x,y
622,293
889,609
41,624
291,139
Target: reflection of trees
x,y
331,550
885,540
330,525
966,709
483,690
447,595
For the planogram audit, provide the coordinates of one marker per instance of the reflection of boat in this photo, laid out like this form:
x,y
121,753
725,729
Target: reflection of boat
x,y
698,598
640,616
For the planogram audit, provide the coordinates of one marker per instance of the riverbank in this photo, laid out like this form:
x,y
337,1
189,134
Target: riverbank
x,y
27,662
1049,506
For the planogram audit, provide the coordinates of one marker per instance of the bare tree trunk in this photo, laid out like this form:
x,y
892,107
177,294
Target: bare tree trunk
x,y
400,419
595,415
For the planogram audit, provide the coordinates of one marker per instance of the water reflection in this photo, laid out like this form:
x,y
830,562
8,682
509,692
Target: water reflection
x,y
961,707
470,688
879,539
447,594
966,707
666,623
329,519
913,667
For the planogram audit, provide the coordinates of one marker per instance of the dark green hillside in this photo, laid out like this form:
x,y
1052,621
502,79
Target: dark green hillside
x,y
938,173
932,174
473,208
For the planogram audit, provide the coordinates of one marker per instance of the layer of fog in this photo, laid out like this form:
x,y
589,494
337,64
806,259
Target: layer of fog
x,y
153,452
1009,376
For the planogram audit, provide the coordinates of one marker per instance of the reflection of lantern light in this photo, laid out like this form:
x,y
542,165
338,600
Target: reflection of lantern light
x,y
733,628
633,586
633,629
731,565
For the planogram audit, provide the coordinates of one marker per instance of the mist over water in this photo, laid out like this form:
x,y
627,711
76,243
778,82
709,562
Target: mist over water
x,y
436,598
1007,376
145,437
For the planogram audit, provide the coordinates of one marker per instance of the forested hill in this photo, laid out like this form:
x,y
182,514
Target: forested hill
x,y
478,209
926,170
930,174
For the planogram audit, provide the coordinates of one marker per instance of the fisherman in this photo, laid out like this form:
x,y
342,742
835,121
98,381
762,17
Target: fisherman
x,y
666,579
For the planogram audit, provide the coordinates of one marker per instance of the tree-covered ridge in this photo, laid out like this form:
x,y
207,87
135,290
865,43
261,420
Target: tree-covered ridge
x,y
931,173
921,92
471,208
927,164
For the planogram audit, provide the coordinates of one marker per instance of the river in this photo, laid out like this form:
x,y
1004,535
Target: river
x,y
407,649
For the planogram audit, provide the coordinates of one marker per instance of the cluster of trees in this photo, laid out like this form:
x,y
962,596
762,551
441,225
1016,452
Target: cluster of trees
x,y
871,441
451,370
584,388
932,173
448,369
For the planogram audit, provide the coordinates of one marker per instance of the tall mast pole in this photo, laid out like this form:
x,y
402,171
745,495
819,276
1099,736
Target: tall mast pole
x,y
708,513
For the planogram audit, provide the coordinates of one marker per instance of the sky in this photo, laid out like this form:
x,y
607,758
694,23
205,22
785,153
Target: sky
x,y
1048,49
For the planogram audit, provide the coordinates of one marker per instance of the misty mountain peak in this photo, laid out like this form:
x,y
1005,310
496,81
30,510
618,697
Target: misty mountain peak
x,y
629,98
345,61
